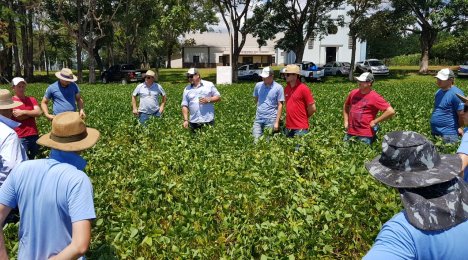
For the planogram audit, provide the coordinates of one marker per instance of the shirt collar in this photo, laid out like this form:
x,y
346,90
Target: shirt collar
x,y
69,157
201,84
10,123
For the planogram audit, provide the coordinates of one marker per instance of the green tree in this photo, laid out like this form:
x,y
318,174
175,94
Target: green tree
x,y
298,20
428,19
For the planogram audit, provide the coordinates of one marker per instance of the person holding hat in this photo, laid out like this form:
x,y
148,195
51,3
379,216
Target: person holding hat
x,y
11,151
361,108
447,116
197,100
65,94
54,195
269,97
300,103
433,224
148,91
26,115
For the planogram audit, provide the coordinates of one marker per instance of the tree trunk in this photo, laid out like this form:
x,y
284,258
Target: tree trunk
x,y
299,51
79,42
98,59
30,53
353,57
427,39
169,56
24,39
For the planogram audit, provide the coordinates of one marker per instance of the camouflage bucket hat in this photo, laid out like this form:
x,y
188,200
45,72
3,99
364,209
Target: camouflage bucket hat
x,y
437,207
409,160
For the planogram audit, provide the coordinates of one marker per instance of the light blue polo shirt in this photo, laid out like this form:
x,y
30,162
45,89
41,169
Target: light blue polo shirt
x,y
149,103
463,148
398,239
50,196
64,98
268,98
444,120
200,113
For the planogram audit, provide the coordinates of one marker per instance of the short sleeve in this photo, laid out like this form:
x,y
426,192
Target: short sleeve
x,y
33,101
348,99
380,103
255,92
308,96
463,148
214,91
48,93
161,90
185,101
394,241
456,102
80,199
280,94
136,92
7,191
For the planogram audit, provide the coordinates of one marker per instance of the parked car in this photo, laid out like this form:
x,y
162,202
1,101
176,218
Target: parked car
x,y
463,69
375,66
249,72
309,71
337,68
124,73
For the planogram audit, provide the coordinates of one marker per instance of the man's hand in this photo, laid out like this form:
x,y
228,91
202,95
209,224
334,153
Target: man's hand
x,y
50,117
460,131
372,123
276,127
205,100
18,112
135,112
161,110
346,125
82,114
186,124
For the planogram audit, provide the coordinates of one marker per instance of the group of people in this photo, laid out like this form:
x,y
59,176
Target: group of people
x,y
55,197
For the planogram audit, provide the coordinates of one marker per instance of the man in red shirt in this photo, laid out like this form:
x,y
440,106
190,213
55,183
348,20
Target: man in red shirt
x,y
300,104
360,110
26,115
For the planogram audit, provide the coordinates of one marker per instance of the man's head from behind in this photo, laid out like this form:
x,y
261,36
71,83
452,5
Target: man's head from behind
x,y
69,133
7,104
432,193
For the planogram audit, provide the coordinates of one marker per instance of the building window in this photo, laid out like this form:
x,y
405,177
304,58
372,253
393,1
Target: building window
x,y
196,59
310,43
247,60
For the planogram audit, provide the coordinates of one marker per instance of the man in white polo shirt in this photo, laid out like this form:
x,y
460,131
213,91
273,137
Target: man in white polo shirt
x,y
149,92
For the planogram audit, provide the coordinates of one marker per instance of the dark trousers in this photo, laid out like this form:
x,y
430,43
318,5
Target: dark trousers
x,y
197,126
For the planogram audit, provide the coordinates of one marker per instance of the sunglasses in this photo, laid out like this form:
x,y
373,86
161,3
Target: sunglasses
x,y
149,77
289,74
190,76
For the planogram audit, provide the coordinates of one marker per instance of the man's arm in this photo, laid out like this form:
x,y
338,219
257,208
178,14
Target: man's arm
x,y
212,99
81,236
311,109
45,108
278,116
163,104
346,115
25,114
388,113
461,122
4,211
185,114
80,103
134,106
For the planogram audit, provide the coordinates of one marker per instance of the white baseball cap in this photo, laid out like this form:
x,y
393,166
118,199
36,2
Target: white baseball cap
x,y
266,72
365,77
445,74
15,81
192,71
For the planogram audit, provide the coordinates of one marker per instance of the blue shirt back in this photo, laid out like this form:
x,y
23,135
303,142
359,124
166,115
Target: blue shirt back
x,y
64,98
200,113
50,196
398,239
444,120
268,98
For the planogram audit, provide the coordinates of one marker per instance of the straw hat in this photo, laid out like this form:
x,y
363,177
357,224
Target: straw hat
x,y
6,102
69,133
66,74
293,69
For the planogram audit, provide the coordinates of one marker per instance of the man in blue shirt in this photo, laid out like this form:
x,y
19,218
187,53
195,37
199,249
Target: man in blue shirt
x,y
197,100
434,222
149,92
269,97
447,117
64,93
54,196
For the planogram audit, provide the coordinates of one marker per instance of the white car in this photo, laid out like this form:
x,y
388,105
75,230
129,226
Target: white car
x,y
375,66
463,69
337,68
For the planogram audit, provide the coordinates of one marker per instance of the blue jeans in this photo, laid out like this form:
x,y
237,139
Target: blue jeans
x,y
143,117
30,146
260,125
364,139
449,139
296,132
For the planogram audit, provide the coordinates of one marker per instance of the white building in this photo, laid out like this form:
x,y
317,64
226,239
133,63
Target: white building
x,y
212,49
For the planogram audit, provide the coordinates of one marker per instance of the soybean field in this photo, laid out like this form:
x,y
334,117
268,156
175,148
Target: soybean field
x,y
162,193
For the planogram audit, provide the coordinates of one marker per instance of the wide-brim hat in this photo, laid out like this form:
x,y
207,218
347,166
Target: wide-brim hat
x,y
293,69
69,133
409,160
436,207
150,73
6,102
66,74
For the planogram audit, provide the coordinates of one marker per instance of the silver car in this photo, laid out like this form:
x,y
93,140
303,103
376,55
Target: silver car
x,y
337,68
